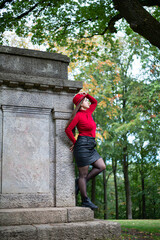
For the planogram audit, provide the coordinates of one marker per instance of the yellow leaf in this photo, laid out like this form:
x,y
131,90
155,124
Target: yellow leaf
x,y
93,80
98,135
109,63
102,104
105,134
76,135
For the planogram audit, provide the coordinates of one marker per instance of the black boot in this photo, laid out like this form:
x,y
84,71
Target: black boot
x,y
76,186
86,202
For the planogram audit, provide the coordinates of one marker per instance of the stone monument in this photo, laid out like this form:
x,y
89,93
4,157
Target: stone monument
x,y
37,198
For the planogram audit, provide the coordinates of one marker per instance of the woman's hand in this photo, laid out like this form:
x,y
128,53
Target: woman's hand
x,y
71,148
84,93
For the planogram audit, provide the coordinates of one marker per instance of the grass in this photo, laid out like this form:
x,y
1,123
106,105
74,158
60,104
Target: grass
x,y
152,226
140,229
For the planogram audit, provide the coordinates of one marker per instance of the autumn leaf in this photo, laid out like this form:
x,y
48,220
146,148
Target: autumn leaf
x,y
98,135
106,134
102,104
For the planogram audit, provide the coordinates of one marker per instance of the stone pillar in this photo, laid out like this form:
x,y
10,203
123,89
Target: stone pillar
x,y
36,166
64,185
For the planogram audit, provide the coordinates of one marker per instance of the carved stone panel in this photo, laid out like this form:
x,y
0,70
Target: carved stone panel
x,y
25,150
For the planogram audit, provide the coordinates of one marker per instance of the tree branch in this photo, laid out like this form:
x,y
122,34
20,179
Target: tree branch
x,y
42,10
4,2
27,12
110,26
112,22
150,3
139,19
108,176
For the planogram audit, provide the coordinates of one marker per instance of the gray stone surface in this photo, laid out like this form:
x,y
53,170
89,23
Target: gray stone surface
x,y
24,232
34,53
35,104
35,63
59,101
28,216
37,82
65,168
92,230
77,214
26,200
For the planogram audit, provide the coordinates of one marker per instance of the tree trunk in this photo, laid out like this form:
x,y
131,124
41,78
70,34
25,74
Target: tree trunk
x,y
125,165
139,19
140,209
127,186
114,167
143,199
105,194
142,173
105,181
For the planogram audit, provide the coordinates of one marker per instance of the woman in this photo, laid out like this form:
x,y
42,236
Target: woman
x,y
83,148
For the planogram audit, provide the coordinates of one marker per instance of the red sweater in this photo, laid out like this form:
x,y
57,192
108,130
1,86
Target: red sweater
x,y
84,122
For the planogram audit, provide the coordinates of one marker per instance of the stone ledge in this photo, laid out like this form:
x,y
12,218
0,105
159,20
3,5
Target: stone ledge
x,y
92,230
79,214
42,83
27,216
34,53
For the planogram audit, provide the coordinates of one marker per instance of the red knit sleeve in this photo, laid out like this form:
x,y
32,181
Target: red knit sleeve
x,y
93,103
71,126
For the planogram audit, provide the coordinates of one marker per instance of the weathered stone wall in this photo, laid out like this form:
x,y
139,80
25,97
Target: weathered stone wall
x,y
36,166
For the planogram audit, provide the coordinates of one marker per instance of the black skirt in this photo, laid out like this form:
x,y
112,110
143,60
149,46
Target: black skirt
x,y
84,151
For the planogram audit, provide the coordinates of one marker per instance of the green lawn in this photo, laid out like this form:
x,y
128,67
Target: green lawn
x,y
140,229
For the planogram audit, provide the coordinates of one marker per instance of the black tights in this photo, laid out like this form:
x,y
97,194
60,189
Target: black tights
x,y
84,176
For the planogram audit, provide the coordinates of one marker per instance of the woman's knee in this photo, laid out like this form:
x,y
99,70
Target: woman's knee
x,y
83,172
83,175
100,164
103,167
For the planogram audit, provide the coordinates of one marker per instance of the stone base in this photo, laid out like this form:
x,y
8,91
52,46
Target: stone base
x,y
55,224
90,230
28,216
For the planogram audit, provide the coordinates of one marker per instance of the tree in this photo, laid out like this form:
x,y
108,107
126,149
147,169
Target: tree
x,y
146,143
139,19
58,21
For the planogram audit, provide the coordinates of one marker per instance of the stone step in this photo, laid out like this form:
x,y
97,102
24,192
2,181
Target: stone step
x,y
27,216
89,230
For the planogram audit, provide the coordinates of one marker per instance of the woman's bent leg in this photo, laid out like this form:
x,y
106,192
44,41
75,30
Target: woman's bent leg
x,y
98,167
82,182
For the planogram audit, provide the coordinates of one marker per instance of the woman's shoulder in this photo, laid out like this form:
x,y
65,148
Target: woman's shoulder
x,y
77,115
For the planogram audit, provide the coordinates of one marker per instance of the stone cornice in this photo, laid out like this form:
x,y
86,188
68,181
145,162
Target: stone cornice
x,y
32,82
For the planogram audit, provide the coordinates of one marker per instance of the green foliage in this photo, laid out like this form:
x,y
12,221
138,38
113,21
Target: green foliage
x,y
63,22
55,20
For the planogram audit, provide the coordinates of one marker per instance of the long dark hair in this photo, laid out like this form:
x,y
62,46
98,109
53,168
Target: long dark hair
x,y
74,113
